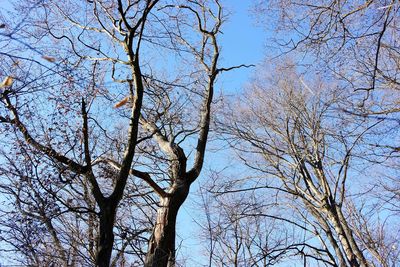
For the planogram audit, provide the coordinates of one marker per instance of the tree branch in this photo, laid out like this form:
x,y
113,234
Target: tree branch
x,y
142,175
74,166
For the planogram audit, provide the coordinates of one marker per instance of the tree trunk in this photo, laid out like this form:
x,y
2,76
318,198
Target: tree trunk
x,y
353,253
356,250
106,237
161,250
327,230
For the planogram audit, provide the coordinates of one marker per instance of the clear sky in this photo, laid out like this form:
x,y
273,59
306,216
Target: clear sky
x,y
242,43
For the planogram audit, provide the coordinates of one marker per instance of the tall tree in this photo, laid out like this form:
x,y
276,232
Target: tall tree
x,y
295,135
103,105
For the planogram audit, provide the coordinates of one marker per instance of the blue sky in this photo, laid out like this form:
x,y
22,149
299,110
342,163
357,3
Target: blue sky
x,y
242,42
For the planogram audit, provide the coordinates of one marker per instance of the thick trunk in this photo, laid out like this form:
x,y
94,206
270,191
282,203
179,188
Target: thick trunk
x,y
161,250
106,237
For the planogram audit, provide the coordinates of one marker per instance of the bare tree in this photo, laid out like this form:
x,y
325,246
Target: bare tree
x,y
107,98
354,40
355,44
293,132
242,228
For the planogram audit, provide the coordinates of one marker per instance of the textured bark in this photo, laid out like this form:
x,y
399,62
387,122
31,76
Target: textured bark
x,y
161,251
